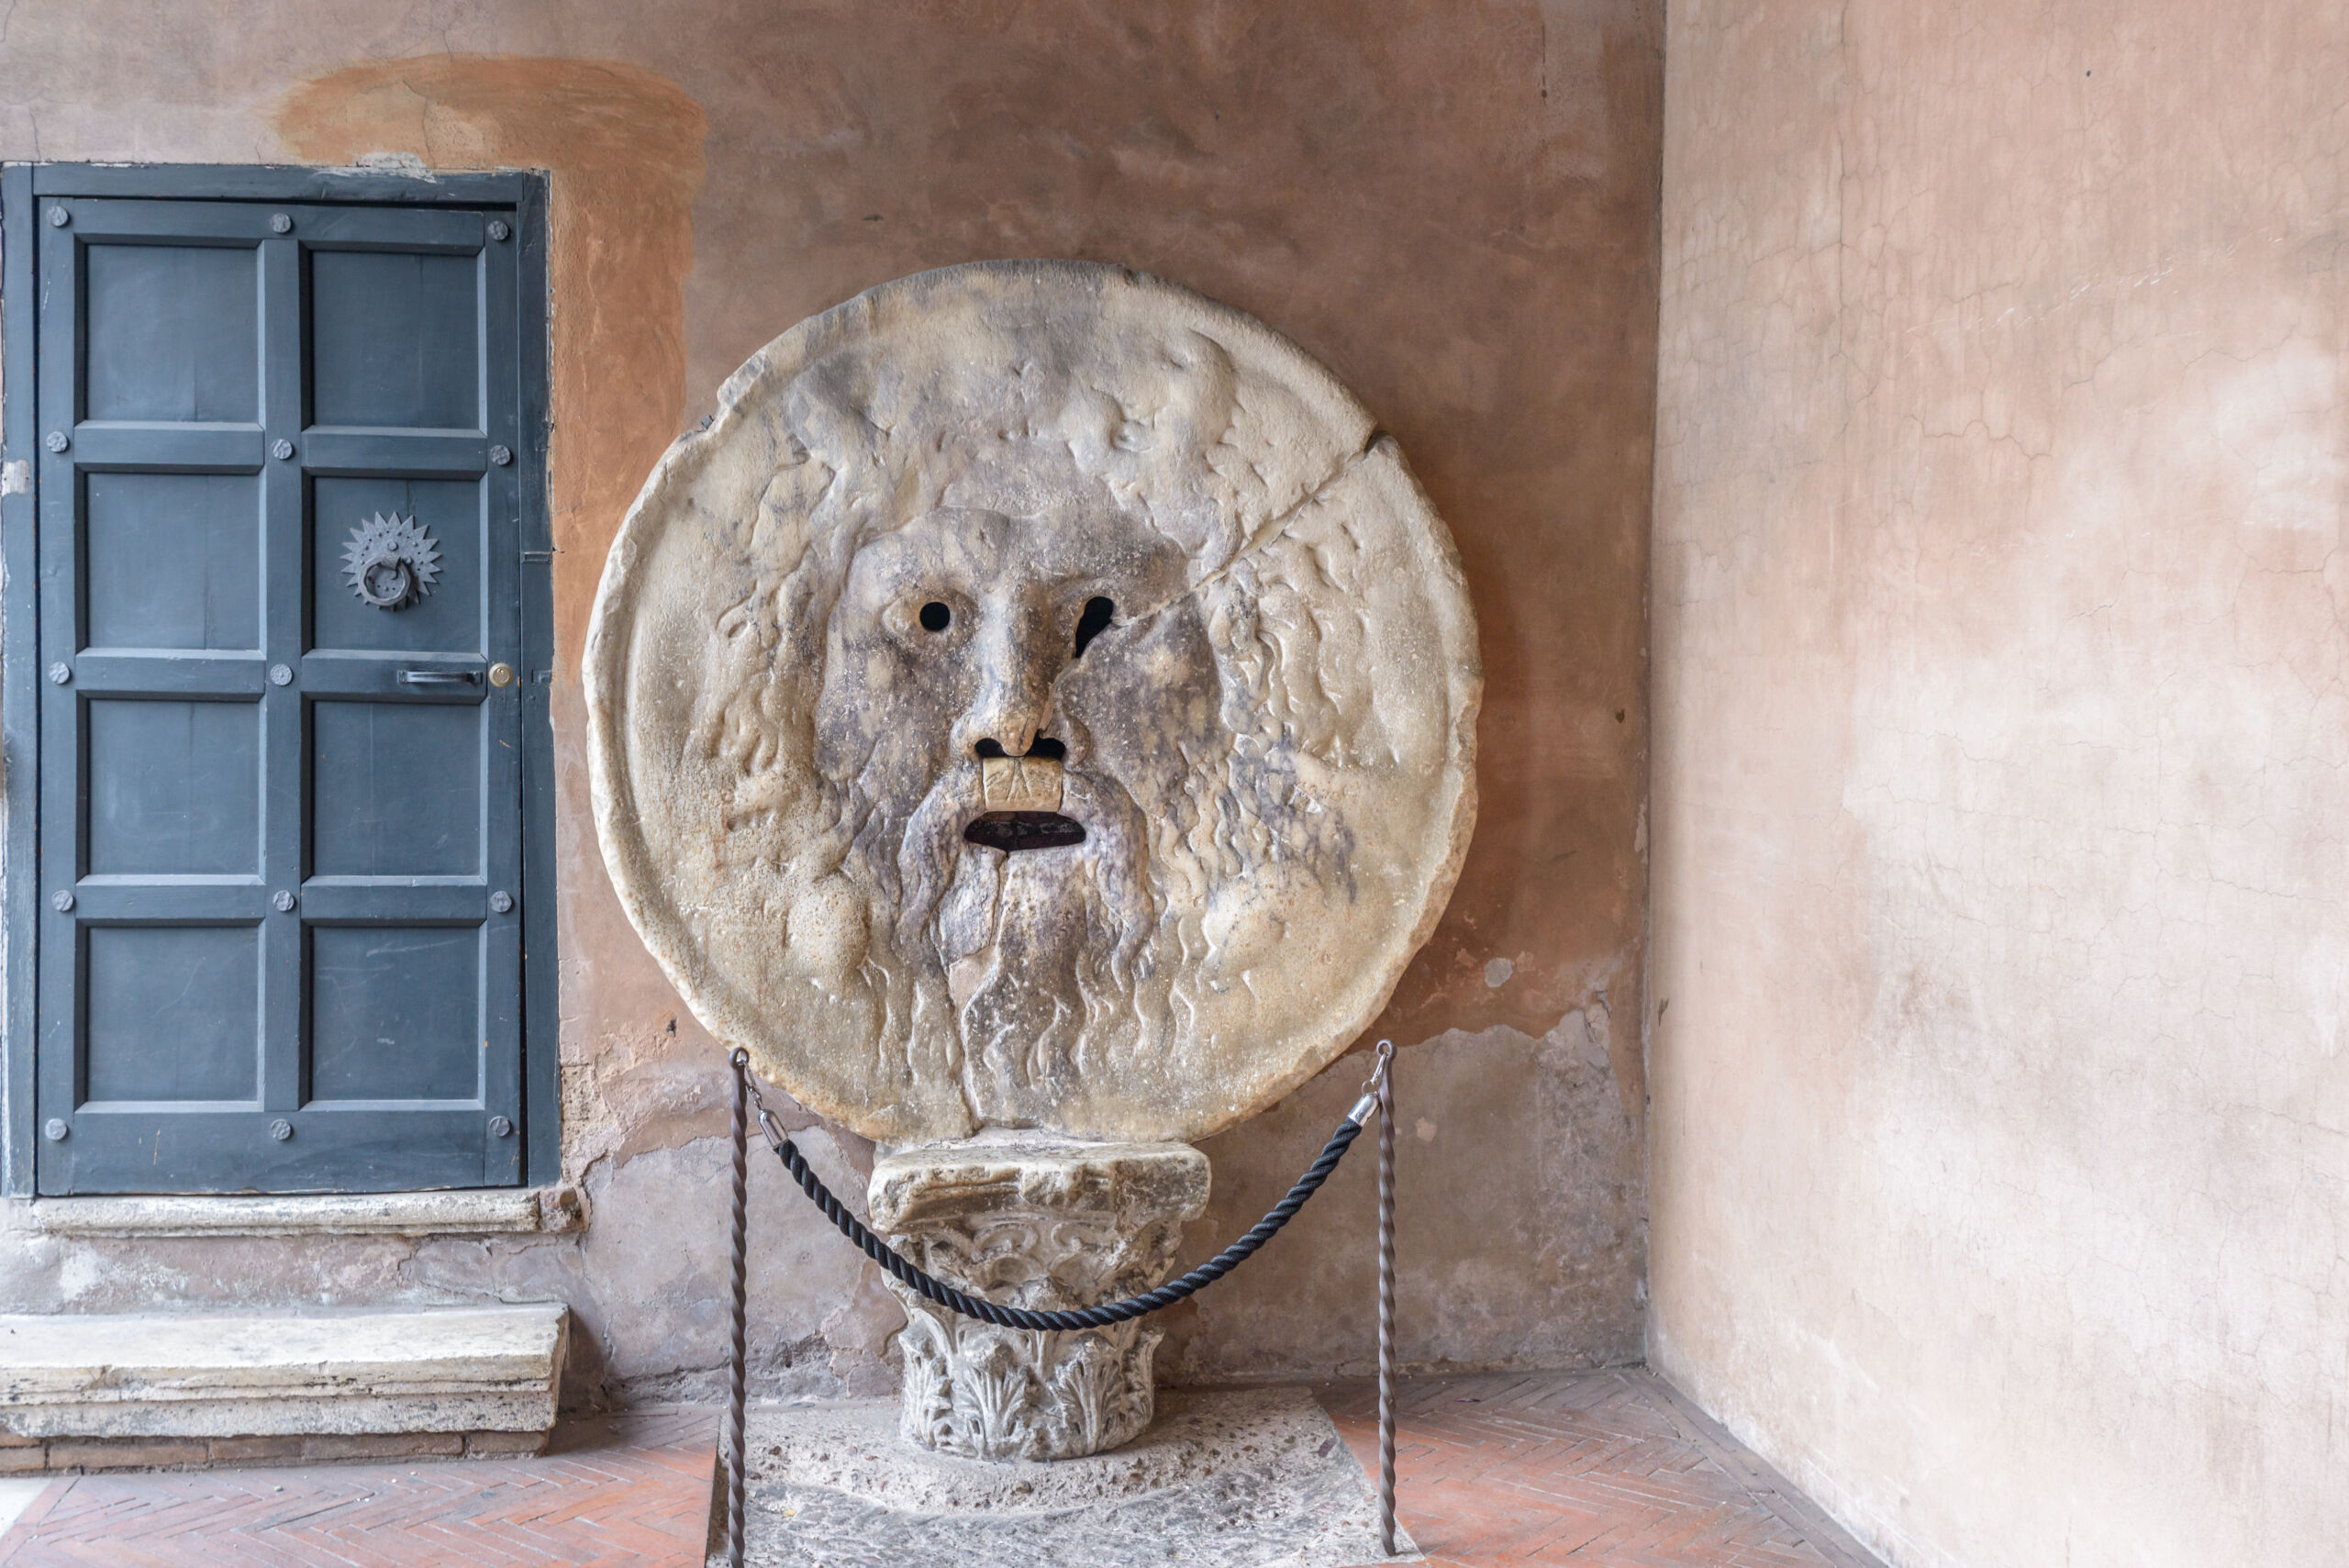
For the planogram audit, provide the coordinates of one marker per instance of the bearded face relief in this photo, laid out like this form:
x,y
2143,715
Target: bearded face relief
x,y
1038,699
1000,837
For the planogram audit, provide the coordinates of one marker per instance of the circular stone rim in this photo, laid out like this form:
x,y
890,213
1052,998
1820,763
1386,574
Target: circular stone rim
x,y
786,357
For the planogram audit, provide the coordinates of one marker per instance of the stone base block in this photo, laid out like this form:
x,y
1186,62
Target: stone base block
x,y
1257,1478
162,1389
1046,1226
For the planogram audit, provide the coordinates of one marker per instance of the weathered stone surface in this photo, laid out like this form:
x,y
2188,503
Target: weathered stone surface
x,y
313,1448
1048,1226
133,1455
1063,541
516,1211
1257,1478
61,1455
245,1374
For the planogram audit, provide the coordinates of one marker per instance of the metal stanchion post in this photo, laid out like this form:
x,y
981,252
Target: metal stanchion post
x,y
736,1392
1387,1307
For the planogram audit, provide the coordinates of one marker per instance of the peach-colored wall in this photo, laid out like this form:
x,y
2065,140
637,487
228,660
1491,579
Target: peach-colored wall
x,y
2000,1172
1451,205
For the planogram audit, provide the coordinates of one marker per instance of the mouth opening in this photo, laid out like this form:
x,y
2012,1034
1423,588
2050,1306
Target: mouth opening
x,y
1041,746
1012,831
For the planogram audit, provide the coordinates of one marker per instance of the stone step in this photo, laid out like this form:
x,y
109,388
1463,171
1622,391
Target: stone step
x,y
189,1387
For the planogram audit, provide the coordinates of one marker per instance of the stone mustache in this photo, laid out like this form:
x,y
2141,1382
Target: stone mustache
x,y
1039,704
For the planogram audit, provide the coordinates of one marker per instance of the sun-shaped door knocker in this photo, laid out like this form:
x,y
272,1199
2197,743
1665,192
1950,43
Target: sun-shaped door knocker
x,y
391,561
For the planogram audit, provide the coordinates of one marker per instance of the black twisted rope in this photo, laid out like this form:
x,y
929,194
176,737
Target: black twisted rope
x,y
987,1311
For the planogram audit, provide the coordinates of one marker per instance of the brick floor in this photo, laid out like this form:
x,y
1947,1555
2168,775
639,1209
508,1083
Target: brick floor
x,y
1586,1468
630,1491
1611,1468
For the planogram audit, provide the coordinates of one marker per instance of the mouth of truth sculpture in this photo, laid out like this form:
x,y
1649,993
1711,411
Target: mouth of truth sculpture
x,y
1039,699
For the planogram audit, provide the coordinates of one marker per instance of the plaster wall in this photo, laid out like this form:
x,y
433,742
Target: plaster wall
x,y
2000,1174
1452,206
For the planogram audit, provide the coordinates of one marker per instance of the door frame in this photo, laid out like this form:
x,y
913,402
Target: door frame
x,y
521,192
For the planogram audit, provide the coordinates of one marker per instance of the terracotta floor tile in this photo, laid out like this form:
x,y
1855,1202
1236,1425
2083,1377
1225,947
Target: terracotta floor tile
x,y
1600,1468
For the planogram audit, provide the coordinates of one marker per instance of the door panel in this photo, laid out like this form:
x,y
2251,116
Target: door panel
x,y
171,1013
395,789
392,338
448,619
395,1013
174,787
278,817
173,332
172,560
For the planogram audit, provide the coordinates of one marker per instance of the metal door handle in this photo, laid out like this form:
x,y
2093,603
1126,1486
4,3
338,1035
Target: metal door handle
x,y
439,677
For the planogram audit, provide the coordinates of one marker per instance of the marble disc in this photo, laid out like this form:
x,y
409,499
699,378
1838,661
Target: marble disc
x,y
1040,697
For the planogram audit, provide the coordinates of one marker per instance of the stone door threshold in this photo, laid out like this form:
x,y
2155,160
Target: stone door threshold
x,y
493,1211
169,1389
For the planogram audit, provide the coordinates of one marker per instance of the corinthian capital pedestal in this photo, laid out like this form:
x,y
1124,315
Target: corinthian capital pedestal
x,y
1046,1225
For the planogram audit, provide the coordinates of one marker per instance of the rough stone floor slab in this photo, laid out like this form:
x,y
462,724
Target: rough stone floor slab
x,y
1251,1479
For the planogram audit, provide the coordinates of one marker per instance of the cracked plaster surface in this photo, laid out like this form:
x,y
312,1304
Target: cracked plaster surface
x,y
1453,207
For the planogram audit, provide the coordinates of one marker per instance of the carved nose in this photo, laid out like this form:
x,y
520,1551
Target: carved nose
x,y
1004,735
1015,696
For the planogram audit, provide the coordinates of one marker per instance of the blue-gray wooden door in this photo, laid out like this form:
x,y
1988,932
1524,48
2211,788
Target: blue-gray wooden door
x,y
279,853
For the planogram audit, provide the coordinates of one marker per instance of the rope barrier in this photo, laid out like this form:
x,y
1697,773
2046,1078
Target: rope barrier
x,y
931,1288
1377,1099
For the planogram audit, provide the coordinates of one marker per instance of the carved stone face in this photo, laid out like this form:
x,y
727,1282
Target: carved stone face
x,y
946,662
1036,701
953,632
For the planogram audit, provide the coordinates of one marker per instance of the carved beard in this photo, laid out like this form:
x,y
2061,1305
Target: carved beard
x,y
1040,948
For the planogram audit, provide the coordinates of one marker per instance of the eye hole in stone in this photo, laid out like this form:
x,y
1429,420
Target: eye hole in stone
x,y
1093,623
1012,831
936,617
